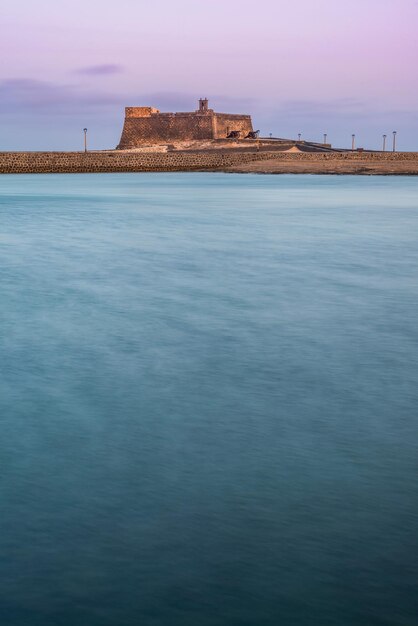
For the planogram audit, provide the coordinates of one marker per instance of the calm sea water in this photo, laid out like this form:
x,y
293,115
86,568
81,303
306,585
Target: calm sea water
x,y
209,400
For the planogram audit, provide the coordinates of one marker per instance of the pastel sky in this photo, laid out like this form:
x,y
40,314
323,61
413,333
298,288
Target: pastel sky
x,y
308,66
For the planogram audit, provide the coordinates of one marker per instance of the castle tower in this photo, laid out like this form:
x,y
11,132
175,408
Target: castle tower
x,y
203,105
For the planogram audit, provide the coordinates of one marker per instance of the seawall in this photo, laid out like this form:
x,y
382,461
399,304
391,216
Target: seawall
x,y
119,161
178,161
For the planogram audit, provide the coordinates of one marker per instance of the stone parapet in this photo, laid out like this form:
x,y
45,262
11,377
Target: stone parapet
x,y
140,111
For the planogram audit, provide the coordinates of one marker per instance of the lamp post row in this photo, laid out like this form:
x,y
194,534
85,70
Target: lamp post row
x,y
353,140
353,137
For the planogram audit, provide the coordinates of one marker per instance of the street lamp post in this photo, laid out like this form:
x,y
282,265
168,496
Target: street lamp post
x,y
394,140
85,139
353,141
384,143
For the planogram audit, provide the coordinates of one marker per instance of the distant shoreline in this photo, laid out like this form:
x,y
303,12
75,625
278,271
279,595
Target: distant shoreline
x,y
264,161
339,167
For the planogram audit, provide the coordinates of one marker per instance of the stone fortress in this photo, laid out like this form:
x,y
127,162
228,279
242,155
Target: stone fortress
x,y
146,125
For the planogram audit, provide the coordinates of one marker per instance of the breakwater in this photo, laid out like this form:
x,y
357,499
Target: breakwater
x,y
177,161
119,161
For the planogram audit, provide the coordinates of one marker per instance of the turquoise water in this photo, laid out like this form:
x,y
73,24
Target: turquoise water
x,y
208,400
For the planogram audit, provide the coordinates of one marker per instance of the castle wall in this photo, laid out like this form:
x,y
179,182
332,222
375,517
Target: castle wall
x,y
147,126
165,127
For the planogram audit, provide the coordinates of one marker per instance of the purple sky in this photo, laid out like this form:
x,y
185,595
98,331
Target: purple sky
x,y
308,66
